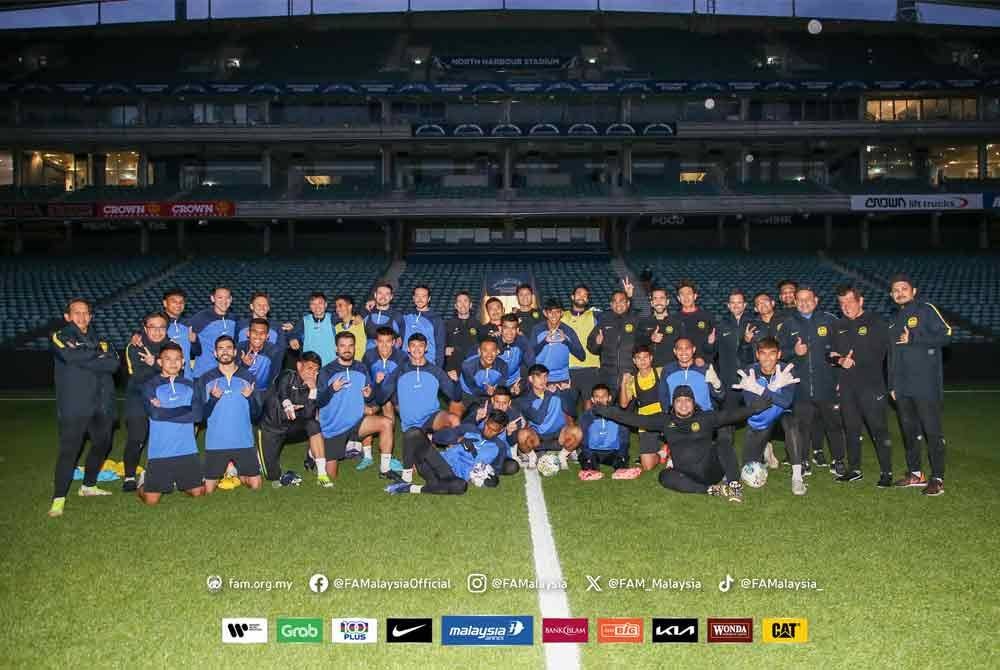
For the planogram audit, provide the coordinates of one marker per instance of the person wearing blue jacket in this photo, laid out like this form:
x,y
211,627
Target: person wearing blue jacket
x,y
552,343
766,379
501,401
381,361
604,442
379,313
480,375
685,371
515,351
209,325
85,401
227,398
172,453
344,390
260,308
259,356
548,428
415,386
421,319
314,331
469,456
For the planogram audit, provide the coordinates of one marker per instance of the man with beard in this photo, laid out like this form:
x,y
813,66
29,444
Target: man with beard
x,y
379,313
421,319
730,333
657,330
226,397
461,333
786,294
583,372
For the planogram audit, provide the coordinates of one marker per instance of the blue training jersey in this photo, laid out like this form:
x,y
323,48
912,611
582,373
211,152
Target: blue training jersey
x,y
461,459
544,414
416,391
340,411
171,425
210,326
555,355
230,417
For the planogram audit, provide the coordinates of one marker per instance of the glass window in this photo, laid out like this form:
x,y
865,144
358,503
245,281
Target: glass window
x,y
953,161
887,161
6,168
991,108
121,168
993,161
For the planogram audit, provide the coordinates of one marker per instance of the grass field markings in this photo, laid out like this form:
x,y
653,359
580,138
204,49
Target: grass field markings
x,y
551,602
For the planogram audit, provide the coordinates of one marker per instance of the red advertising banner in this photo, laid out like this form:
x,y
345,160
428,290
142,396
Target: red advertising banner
x,y
118,210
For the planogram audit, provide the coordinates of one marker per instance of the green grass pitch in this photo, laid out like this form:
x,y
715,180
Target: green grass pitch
x,y
907,582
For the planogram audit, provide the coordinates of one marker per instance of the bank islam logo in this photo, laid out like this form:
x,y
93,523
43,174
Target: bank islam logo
x,y
487,630
785,630
730,630
299,630
565,630
619,630
409,630
675,630
244,631
354,631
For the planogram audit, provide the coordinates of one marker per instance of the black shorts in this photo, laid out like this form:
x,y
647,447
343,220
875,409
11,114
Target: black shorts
x,y
583,380
650,442
162,474
335,448
246,460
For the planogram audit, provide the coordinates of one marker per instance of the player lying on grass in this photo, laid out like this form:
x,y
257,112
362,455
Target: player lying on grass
x,y
470,457
172,454
548,428
700,464
501,402
604,442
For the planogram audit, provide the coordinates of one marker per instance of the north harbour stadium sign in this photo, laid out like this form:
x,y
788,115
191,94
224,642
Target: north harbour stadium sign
x,y
909,203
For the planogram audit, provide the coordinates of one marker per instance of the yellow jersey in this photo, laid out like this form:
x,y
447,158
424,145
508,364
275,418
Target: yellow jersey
x,y
582,325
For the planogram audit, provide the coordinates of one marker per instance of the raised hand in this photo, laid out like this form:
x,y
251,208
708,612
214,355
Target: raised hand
x,y
339,382
712,377
783,378
286,326
147,356
904,337
136,340
748,382
155,402
294,344
656,336
628,287
600,336
847,362
801,348
379,377
247,391
453,374
248,358
367,391
749,333
711,337
216,392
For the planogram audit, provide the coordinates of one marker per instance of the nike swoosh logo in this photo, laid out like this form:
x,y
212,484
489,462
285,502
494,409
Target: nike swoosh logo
x,y
841,332
725,334
400,633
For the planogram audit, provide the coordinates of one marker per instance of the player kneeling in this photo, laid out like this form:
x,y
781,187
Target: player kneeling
x,y
547,428
604,442
469,458
172,457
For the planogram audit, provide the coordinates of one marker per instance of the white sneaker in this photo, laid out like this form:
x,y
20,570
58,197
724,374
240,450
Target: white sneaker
x,y
798,487
531,462
90,491
770,458
574,456
563,462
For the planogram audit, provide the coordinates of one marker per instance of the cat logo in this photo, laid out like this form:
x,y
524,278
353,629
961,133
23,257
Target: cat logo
x,y
863,330
695,427
629,327
472,331
670,329
701,325
785,630
912,322
821,331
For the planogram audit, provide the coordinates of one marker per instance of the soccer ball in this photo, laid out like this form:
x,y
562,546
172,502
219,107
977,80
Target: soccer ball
x,y
754,474
548,465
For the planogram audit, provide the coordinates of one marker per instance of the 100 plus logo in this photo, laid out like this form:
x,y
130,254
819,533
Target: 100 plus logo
x,y
487,630
354,631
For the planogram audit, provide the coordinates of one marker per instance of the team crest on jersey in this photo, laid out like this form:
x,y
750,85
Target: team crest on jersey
x,y
104,345
701,325
912,322
472,331
670,329
629,327
821,331
695,427
534,315
863,330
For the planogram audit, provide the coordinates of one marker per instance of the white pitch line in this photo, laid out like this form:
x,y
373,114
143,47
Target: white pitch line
x,y
551,602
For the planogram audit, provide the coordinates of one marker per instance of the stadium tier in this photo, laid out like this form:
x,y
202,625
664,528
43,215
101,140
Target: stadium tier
x,y
288,282
34,290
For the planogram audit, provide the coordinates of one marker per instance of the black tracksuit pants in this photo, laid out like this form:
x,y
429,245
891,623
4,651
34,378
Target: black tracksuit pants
x,y
862,407
814,418
920,421
73,432
697,477
419,453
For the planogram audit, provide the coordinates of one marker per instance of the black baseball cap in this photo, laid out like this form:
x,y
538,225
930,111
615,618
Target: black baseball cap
x,y
683,392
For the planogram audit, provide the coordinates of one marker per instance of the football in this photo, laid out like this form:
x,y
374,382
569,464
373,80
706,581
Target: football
x,y
754,474
548,465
